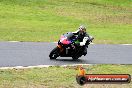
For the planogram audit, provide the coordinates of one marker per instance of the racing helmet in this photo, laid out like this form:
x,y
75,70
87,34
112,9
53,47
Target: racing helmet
x,y
82,29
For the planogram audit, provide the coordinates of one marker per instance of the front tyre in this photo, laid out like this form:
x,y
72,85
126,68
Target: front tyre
x,y
54,53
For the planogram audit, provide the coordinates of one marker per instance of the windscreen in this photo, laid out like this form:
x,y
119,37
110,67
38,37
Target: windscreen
x,y
69,35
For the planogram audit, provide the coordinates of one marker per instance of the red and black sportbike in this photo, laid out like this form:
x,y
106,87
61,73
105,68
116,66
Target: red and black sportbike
x,y
67,47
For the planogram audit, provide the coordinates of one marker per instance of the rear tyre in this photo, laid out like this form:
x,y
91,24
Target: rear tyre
x,y
54,53
75,58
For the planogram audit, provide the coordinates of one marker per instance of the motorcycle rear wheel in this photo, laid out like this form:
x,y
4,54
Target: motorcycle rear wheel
x,y
75,57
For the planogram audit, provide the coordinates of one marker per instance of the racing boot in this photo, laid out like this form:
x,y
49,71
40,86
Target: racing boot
x,y
85,50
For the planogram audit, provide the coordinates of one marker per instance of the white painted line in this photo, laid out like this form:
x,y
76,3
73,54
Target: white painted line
x,y
126,44
19,66
42,66
13,41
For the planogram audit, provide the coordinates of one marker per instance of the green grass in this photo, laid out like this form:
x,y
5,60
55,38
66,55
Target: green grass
x,y
58,77
109,21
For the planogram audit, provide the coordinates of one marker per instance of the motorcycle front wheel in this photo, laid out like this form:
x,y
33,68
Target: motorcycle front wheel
x,y
54,53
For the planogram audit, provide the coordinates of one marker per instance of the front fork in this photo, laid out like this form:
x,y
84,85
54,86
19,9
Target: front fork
x,y
60,47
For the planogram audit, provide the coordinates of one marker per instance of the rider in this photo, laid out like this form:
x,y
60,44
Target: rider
x,y
83,38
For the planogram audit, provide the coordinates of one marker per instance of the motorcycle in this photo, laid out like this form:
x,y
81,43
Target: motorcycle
x,y
67,47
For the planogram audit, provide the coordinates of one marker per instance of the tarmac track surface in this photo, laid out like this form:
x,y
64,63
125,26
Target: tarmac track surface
x,y
37,53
